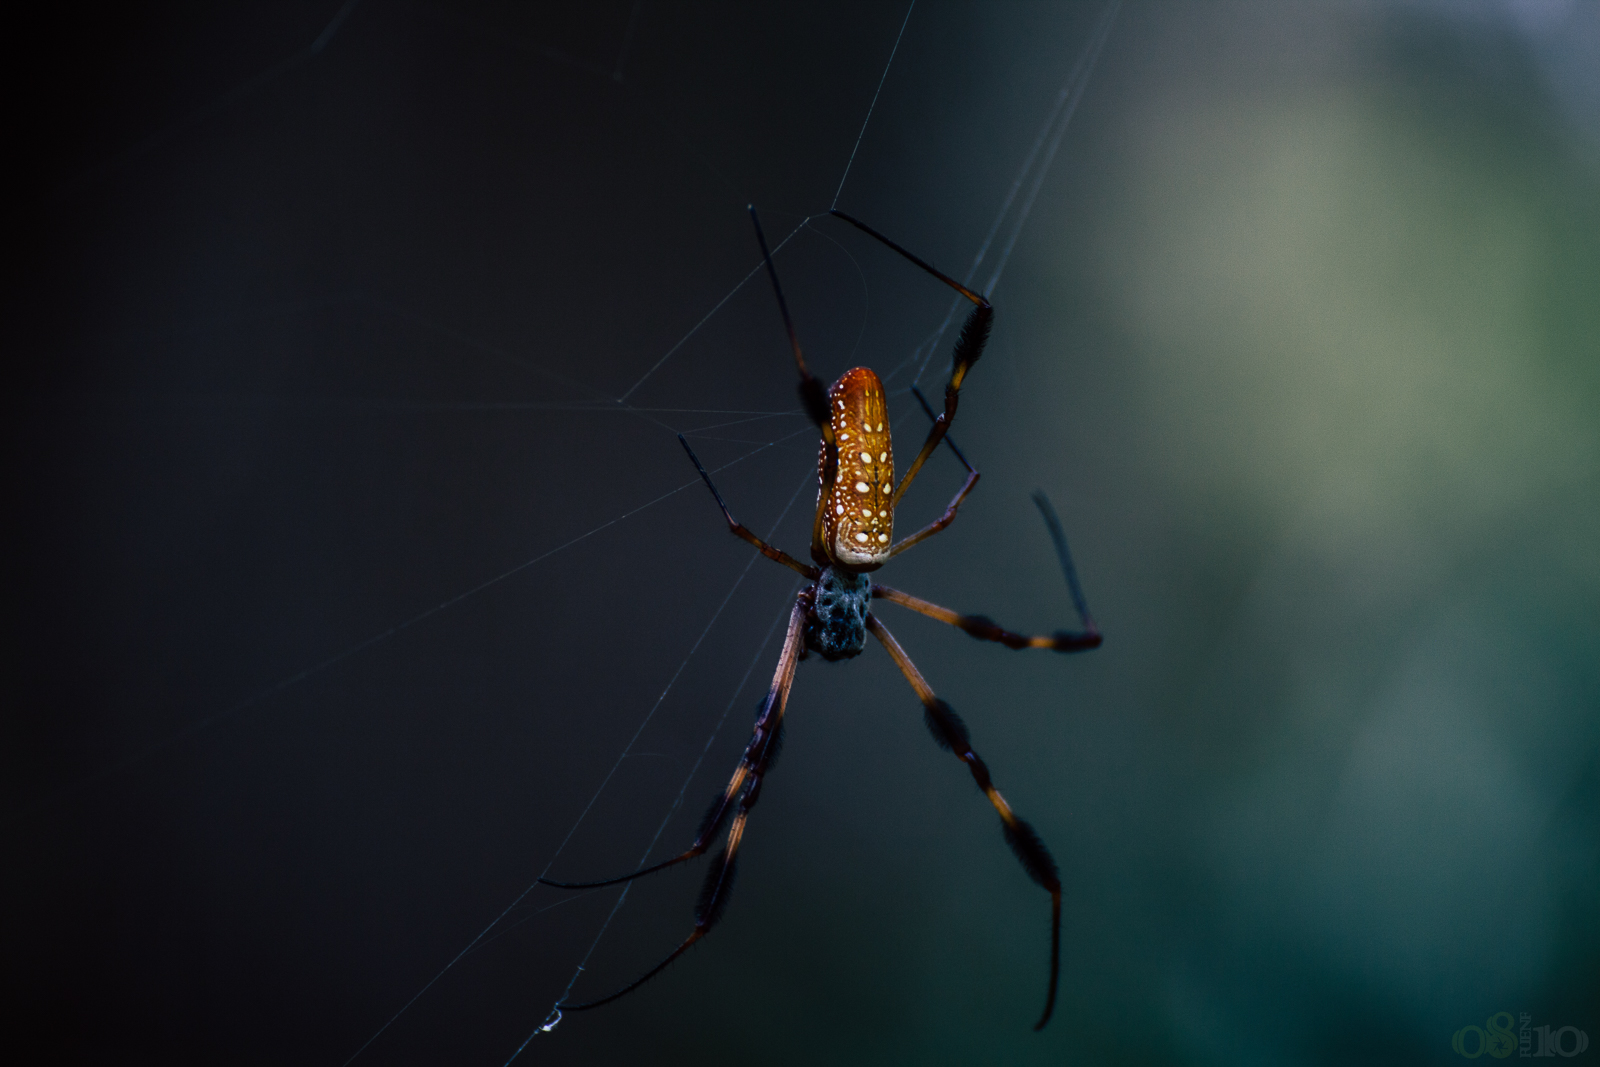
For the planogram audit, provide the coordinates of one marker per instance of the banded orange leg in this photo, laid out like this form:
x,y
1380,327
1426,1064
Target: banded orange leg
x,y
951,735
745,785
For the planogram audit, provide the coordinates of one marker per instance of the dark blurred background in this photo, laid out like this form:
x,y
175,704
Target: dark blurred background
x,y
317,327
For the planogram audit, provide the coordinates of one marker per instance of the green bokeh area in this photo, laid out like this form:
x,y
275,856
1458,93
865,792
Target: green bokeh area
x,y
1342,438
348,580
1358,308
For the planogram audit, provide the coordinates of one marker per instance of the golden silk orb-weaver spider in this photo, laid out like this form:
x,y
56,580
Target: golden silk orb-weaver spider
x,y
852,536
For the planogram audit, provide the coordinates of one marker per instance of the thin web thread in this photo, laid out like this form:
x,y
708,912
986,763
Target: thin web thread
x,y
709,315
388,404
238,93
498,34
468,341
221,103
1088,61
301,675
554,1017
627,39
1066,99
581,815
618,403
883,78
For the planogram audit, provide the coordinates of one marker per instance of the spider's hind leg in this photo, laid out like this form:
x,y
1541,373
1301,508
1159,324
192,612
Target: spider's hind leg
x,y
746,786
766,741
951,734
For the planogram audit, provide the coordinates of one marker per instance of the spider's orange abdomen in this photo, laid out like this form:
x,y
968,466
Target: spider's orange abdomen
x,y
858,522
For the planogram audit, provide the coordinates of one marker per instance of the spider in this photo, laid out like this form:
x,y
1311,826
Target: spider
x,y
851,536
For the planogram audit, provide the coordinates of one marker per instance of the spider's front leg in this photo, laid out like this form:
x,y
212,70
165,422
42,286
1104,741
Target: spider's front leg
x,y
745,786
969,346
951,734
813,398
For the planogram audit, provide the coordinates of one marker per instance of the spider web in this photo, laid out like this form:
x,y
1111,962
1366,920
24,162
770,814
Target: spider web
x,y
320,316
706,400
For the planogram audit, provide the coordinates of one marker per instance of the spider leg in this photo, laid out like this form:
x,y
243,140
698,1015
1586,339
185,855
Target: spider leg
x,y
951,734
812,396
984,628
949,515
1059,538
746,785
738,529
969,346
758,754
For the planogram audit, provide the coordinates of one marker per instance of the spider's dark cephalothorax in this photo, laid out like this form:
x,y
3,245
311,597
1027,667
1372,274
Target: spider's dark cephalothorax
x,y
852,533
836,627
